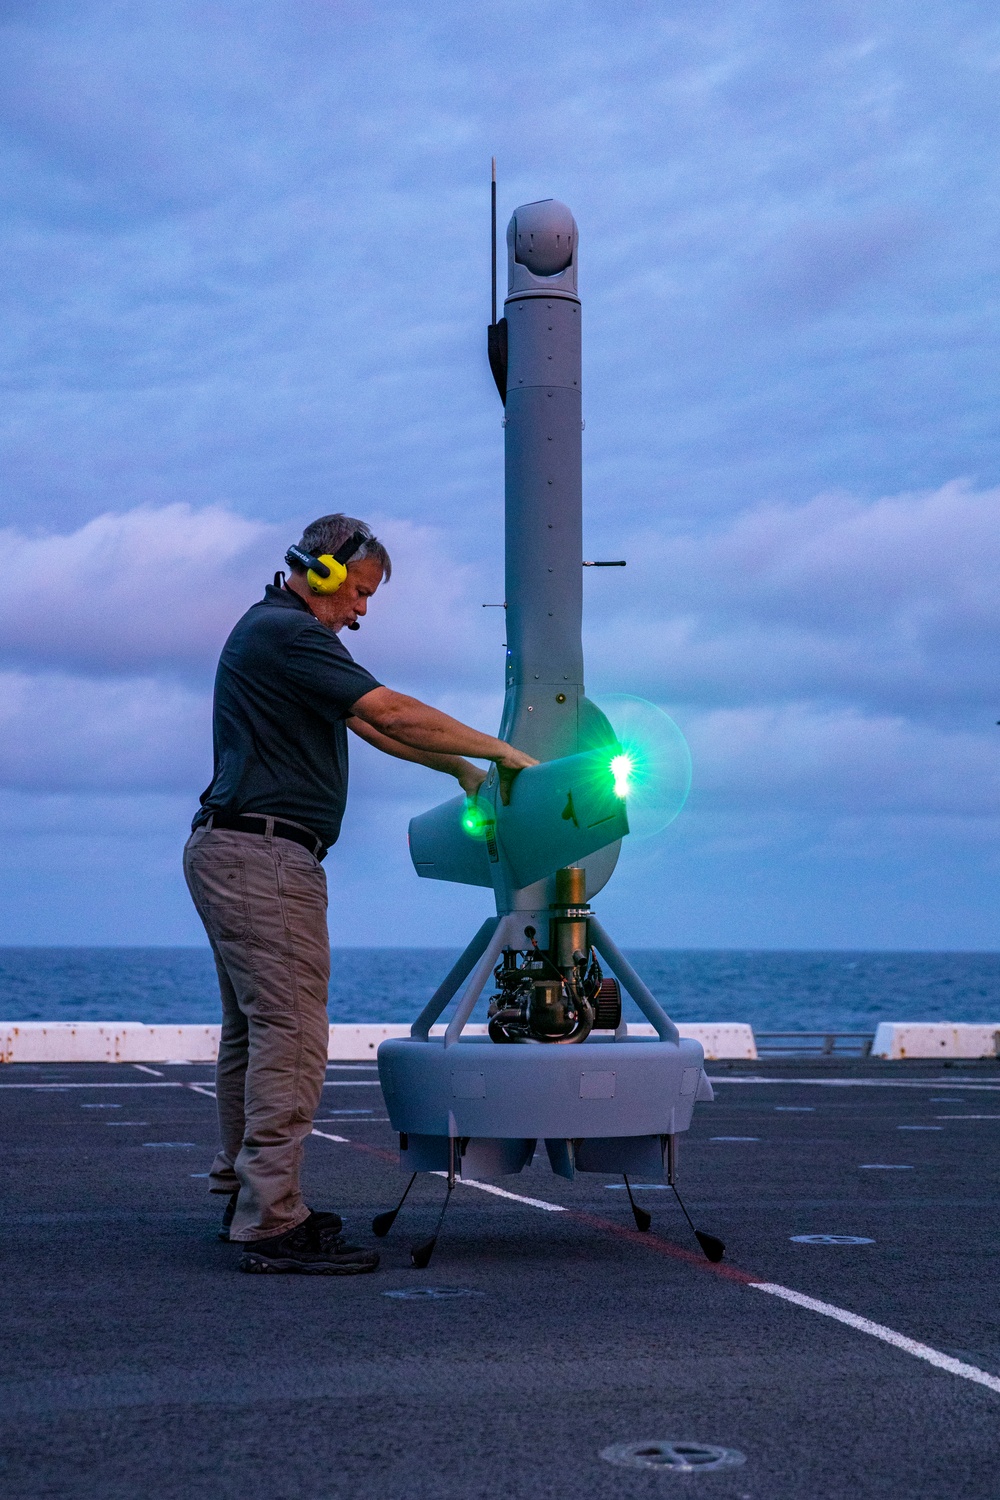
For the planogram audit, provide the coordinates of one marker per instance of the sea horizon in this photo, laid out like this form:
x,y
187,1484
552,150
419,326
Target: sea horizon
x,y
808,989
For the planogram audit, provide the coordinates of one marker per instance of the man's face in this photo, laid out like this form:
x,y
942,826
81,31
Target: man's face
x,y
350,601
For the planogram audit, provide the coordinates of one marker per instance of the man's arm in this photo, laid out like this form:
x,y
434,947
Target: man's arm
x,y
420,727
469,777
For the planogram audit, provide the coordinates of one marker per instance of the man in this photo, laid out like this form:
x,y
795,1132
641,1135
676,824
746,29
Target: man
x,y
286,692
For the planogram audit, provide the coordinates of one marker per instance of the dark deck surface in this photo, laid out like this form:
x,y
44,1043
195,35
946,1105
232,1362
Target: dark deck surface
x,y
138,1363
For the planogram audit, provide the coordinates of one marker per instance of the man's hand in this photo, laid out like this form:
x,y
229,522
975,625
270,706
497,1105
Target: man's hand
x,y
437,738
508,765
469,777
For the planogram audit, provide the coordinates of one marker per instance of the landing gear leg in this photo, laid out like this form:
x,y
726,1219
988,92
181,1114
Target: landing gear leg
x,y
382,1223
712,1246
420,1255
642,1219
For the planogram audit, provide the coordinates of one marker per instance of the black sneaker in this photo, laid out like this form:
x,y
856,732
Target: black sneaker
x,y
306,1249
329,1225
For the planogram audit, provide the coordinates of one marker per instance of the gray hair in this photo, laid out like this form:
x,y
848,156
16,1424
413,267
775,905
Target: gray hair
x,y
330,532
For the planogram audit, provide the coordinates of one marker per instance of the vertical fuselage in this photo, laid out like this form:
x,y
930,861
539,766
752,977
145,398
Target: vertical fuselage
x,y
543,484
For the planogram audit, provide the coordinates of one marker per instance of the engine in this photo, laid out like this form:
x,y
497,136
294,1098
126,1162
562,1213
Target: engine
x,y
558,993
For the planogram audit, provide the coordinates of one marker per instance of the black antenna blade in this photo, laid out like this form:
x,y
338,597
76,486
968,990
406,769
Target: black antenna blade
x,y
493,240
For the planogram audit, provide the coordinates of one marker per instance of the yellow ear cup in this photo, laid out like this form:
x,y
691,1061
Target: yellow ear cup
x,y
330,585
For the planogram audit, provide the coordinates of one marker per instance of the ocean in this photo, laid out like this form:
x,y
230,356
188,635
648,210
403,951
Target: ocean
x,y
774,991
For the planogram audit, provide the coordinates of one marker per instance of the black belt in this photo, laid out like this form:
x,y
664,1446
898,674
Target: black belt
x,y
257,823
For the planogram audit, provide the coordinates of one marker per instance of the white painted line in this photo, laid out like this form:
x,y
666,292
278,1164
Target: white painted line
x,y
352,1083
170,1085
487,1187
201,1088
964,1117
840,1314
102,1106
921,1127
644,1187
795,1109
143,1069
856,1083
734,1137
879,1331
174,1145
883,1166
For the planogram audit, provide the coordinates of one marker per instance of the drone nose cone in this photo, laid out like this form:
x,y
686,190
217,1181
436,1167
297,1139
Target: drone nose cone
x,y
544,237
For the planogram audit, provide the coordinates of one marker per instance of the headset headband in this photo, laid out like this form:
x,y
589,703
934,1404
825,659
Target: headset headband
x,y
343,554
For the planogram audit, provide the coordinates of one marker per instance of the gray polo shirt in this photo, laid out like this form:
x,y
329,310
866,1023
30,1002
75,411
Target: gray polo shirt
x,y
284,687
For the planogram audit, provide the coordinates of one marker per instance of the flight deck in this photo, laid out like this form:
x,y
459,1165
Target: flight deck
x,y
847,1346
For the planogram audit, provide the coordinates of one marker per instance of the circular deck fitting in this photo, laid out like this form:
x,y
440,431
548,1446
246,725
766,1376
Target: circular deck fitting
x,y
676,1458
829,1239
432,1293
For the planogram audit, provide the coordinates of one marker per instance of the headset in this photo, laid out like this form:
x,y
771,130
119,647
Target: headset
x,y
326,573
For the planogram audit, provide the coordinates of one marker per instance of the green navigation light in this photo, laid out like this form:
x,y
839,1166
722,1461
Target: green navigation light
x,y
649,761
476,820
621,770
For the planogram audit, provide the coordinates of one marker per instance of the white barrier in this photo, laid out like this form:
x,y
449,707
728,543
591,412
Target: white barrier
x,y
105,1041
899,1039
134,1042
723,1041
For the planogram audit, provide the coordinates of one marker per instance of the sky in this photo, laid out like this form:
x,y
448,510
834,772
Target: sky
x,y
246,282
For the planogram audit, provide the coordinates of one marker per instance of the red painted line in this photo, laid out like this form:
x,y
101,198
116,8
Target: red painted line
x,y
648,1241
665,1247
635,1236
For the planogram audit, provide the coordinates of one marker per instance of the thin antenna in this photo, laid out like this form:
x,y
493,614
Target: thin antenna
x,y
493,241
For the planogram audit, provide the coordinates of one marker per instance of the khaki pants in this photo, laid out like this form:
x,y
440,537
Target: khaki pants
x,y
263,903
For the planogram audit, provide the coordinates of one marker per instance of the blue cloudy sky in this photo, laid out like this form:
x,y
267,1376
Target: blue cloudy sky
x,y
245,281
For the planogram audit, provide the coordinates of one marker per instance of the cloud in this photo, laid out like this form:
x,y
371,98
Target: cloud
x,y
892,606
64,734
158,588
796,758
154,587
246,283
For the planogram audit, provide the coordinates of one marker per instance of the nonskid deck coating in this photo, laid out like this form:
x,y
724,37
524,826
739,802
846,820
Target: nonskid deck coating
x,y
136,1360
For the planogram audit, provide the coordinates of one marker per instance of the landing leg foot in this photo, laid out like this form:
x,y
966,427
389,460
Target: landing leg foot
x,y
713,1247
420,1255
382,1223
642,1219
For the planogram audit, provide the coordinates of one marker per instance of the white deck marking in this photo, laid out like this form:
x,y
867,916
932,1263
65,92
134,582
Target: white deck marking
x,y
884,1166
487,1187
170,1085
143,1069
827,1309
880,1331
201,1088
963,1117
619,1187
352,1083
856,1083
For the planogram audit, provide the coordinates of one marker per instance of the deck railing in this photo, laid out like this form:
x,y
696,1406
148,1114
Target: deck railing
x,y
815,1043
